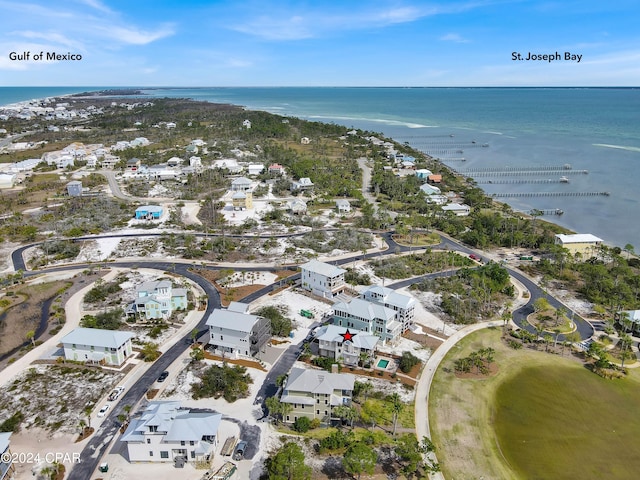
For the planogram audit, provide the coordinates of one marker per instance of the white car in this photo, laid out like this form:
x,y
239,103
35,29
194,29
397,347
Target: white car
x,y
103,411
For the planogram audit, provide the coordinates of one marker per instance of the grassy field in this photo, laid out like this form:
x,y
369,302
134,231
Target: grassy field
x,y
541,416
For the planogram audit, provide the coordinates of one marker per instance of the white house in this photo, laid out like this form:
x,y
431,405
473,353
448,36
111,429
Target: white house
x,y
246,124
583,243
322,279
111,347
7,180
338,342
255,168
165,432
430,189
403,305
297,206
74,188
459,209
343,206
369,317
305,140
234,332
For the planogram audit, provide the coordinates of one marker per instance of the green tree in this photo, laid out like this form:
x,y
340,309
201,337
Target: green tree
x,y
396,408
197,354
31,335
358,459
347,413
624,345
302,424
150,352
288,464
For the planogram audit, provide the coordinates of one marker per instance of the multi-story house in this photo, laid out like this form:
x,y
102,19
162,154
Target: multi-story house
x,y
167,433
369,317
111,347
155,300
347,345
403,305
322,279
315,393
235,332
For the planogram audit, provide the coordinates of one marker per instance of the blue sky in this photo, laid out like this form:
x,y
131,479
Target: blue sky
x,y
314,43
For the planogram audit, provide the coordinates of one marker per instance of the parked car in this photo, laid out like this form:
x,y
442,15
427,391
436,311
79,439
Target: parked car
x,y
475,257
238,453
103,411
163,376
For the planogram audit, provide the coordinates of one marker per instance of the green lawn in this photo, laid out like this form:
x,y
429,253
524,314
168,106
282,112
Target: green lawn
x,y
540,417
566,422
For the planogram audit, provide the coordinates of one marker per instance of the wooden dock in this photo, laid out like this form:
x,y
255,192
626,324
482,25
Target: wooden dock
x,y
549,194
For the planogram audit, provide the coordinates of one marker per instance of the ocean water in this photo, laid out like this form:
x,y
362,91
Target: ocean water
x,y
593,129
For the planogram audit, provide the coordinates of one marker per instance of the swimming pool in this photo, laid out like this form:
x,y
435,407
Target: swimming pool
x,y
383,363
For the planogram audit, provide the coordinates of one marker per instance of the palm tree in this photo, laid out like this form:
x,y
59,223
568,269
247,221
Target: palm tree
x,y
560,313
624,343
31,335
396,407
366,389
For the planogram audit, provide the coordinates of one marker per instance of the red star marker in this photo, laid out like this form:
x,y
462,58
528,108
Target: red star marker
x,y
347,336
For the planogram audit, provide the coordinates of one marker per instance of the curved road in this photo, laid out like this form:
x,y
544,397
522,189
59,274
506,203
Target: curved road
x,y
94,450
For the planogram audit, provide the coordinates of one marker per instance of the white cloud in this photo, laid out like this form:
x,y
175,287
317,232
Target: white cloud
x,y
453,37
133,36
52,37
97,4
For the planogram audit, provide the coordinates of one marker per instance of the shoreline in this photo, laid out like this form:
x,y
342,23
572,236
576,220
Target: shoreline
x,y
138,92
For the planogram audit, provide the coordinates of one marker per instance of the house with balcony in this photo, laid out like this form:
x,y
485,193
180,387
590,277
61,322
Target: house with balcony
x,y
403,305
302,185
343,206
242,200
241,184
166,432
149,212
158,299
348,345
233,332
315,393
372,318
108,347
322,279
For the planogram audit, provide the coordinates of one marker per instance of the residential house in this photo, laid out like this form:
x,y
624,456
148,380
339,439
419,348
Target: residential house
x,y
305,140
255,168
230,164
434,178
109,347
276,169
74,188
175,162
192,149
241,184
234,332
315,393
158,299
430,189
165,432
133,164
347,345
437,199
109,161
423,174
149,212
7,468
297,206
170,125
322,279
246,124
343,206
582,243
369,317
7,180
403,305
139,142
459,209
302,185
242,200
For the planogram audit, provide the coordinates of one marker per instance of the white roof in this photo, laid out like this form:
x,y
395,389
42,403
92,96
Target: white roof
x,y
343,203
97,337
360,339
238,307
454,207
578,238
390,296
241,322
149,208
634,315
239,195
241,181
322,268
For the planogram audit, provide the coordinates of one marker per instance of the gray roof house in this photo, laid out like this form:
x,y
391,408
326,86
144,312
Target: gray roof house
x,y
343,206
304,183
110,347
322,279
403,305
237,333
315,393
334,342
165,432
241,184
370,317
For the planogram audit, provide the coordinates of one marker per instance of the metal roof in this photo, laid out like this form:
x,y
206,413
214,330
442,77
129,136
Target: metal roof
x,y
231,320
364,309
317,381
97,337
322,268
360,339
578,238
390,296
